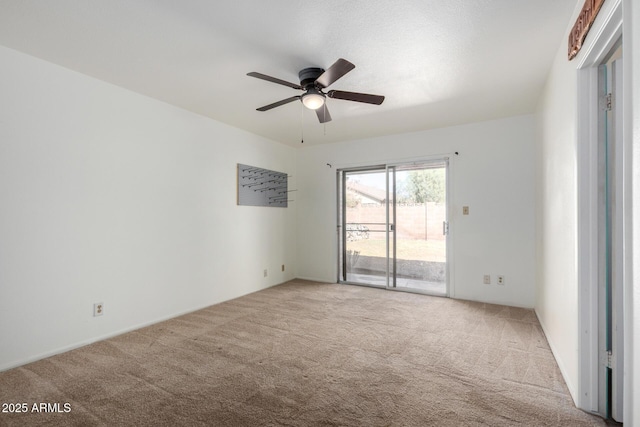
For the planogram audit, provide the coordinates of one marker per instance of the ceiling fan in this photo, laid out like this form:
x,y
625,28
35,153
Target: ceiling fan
x,y
312,82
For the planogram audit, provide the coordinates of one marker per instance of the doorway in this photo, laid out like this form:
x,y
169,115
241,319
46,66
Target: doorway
x,y
604,201
610,237
394,227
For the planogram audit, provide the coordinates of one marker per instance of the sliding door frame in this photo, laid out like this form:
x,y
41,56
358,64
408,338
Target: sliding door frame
x,y
446,159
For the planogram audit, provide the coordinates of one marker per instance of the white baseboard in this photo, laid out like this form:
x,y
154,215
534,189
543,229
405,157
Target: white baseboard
x,y
315,279
563,371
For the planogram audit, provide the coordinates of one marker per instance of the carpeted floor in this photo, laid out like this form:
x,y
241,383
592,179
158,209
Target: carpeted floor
x,y
309,354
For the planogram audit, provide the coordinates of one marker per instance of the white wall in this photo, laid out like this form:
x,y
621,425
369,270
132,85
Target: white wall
x,y
493,175
557,301
109,196
556,201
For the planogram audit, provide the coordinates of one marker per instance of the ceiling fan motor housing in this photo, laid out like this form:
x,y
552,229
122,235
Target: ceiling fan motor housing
x,y
308,77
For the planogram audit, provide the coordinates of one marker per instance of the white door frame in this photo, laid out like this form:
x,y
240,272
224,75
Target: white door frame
x,y
606,31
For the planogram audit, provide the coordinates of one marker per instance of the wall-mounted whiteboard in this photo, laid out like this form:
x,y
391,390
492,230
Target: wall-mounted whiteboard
x,y
261,187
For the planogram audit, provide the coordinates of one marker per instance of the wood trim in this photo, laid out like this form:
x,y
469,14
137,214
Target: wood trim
x,y
583,25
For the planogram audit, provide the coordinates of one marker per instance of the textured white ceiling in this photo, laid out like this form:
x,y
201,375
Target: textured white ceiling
x,y
439,63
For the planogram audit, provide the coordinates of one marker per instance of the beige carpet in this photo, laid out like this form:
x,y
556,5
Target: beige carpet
x,y
306,354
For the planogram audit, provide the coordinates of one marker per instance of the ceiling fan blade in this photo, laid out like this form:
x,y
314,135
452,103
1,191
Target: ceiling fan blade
x,y
323,114
274,80
277,104
354,96
333,73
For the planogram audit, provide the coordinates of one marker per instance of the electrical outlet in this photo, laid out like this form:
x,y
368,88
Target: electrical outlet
x,y
500,280
98,309
266,273
486,279
282,267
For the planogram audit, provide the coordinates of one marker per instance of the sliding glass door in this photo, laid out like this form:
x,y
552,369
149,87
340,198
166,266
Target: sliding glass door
x,y
365,229
394,227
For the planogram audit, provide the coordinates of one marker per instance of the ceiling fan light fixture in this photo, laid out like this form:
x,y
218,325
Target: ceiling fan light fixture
x,y
313,99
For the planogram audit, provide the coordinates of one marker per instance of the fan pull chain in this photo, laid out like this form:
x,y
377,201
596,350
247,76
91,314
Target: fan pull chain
x,y
301,123
324,125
